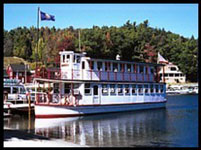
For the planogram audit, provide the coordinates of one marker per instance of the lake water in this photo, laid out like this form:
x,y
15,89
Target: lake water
x,y
174,126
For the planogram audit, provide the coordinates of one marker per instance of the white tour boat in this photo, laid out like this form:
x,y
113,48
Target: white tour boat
x,y
83,85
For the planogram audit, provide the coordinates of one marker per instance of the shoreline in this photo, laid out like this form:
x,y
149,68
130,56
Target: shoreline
x,y
17,138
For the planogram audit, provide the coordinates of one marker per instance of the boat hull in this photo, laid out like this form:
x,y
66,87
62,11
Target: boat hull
x,y
57,111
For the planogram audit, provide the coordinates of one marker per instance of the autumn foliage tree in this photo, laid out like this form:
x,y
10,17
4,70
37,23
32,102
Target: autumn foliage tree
x,y
132,41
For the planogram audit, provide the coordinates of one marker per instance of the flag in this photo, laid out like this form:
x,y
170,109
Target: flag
x,y
45,16
161,59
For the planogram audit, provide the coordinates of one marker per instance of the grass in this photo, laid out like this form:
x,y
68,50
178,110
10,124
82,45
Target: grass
x,y
17,60
13,60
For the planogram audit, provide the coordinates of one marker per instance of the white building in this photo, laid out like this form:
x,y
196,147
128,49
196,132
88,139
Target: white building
x,y
172,74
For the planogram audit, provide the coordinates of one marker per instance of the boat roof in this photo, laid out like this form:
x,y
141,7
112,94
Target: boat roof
x,y
128,62
109,60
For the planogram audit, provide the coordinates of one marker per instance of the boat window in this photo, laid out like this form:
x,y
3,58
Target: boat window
x,y
152,70
83,65
107,66
95,90
115,67
63,58
134,91
135,66
127,90
67,88
91,65
157,90
122,67
161,88
104,89
146,89
151,88
140,89
146,70
112,89
99,66
74,58
128,67
141,69
87,89
15,90
78,59
7,89
56,88
22,90
68,56
120,89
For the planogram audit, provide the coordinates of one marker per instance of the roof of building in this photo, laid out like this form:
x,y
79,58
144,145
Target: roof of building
x,y
19,67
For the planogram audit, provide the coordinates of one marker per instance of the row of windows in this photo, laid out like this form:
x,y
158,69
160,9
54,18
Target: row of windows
x,y
119,67
126,89
15,90
173,75
66,58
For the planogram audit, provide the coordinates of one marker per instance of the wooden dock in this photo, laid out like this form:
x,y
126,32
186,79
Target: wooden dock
x,y
10,108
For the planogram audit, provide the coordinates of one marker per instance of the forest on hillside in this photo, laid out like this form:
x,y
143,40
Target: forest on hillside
x,y
132,42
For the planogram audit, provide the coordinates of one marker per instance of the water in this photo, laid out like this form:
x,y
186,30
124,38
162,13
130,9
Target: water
x,y
174,126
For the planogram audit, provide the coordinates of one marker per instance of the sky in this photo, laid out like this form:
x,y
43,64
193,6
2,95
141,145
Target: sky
x,y
181,19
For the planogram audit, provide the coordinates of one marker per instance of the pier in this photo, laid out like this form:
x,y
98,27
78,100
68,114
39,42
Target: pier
x,y
10,108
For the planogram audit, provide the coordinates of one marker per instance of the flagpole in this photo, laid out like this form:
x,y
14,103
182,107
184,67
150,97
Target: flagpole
x,y
37,35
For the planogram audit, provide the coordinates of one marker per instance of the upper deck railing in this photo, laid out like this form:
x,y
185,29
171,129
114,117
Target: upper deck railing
x,y
74,66
94,75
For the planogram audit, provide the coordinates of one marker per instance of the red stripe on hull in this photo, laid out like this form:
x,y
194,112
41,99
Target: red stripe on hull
x,y
58,116
44,104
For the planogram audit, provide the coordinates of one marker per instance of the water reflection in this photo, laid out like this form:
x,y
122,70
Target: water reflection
x,y
19,122
175,126
117,129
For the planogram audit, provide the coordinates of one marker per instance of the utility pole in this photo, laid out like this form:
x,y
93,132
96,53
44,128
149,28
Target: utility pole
x,y
79,42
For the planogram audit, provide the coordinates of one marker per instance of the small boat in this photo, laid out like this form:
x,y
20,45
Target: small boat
x,y
193,90
172,91
181,89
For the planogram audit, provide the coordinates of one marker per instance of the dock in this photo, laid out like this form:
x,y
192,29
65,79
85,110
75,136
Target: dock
x,y
10,108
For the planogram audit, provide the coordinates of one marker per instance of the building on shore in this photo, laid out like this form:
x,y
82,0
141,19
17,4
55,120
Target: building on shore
x,y
20,72
172,74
